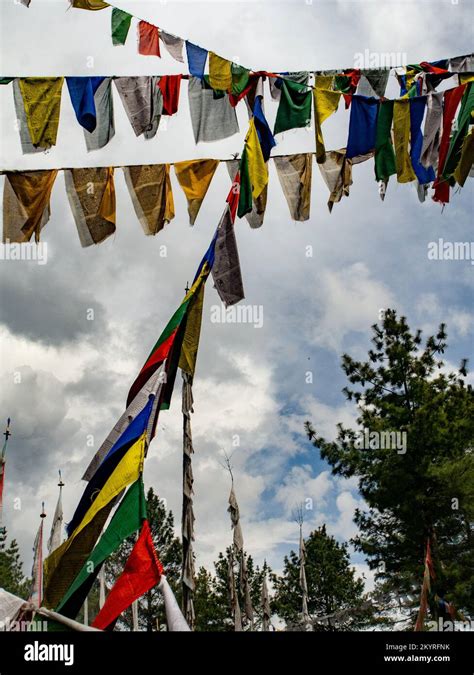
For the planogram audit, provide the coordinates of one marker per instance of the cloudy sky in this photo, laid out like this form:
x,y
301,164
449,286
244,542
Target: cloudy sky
x,y
250,382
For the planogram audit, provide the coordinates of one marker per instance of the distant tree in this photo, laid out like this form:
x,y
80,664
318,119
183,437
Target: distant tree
x,y
212,600
427,491
12,578
332,584
211,609
168,547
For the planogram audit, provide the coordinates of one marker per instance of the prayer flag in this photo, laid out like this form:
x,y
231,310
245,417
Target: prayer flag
x,y
142,571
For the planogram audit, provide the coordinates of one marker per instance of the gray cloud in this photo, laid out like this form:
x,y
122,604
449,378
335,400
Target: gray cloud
x,y
47,308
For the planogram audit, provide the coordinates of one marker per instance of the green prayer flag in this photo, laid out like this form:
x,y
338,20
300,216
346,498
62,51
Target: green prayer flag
x,y
127,519
245,196
294,110
240,78
120,26
384,154
342,83
462,127
6,80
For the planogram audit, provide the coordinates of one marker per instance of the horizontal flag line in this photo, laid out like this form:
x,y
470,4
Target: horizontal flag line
x,y
125,166
262,73
402,65
187,76
270,73
224,160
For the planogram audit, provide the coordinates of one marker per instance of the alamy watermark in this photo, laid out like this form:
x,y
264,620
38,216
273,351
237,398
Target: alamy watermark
x,y
368,59
381,440
23,626
26,250
38,651
251,314
451,250
450,626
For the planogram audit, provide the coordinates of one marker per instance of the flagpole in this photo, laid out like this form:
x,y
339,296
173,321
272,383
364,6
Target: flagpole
x,y
237,550
102,586
187,513
135,616
40,558
299,517
265,602
135,605
7,434
55,537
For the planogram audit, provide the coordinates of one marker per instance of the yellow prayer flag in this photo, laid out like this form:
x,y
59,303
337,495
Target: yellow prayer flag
x,y
169,199
258,170
464,78
401,141
107,205
152,195
42,100
127,471
26,198
220,72
189,349
326,102
89,4
466,160
195,177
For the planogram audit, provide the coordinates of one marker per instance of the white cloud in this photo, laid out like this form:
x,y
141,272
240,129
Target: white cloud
x,y
299,486
362,298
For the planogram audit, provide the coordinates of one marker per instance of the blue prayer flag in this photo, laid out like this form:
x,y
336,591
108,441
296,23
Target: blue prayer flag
x,y
81,91
197,57
362,126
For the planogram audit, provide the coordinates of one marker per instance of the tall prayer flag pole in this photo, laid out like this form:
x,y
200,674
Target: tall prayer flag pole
x,y
266,612
237,550
36,593
299,517
187,516
7,434
102,586
55,536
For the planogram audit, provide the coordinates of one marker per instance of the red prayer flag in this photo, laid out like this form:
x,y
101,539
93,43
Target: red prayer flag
x,y
170,87
425,588
452,97
233,196
142,571
354,77
428,67
159,353
148,39
429,560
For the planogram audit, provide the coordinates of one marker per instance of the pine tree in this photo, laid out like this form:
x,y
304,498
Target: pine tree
x,y
211,598
427,491
12,578
332,585
210,607
151,614
221,586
